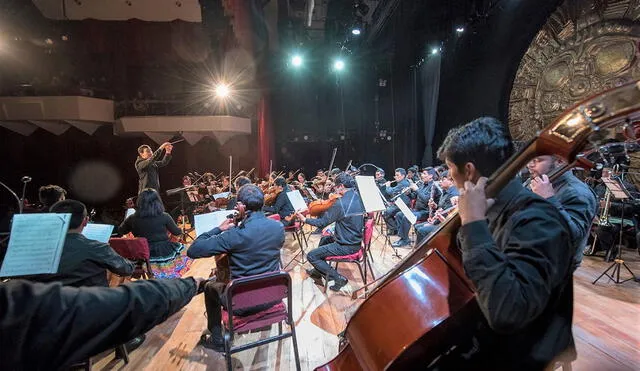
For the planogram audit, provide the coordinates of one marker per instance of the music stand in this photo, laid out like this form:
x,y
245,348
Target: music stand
x,y
179,190
618,191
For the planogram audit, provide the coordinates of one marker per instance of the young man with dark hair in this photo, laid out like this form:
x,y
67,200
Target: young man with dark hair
x,y
348,215
148,162
238,183
512,251
253,248
84,262
282,205
438,208
49,195
392,193
575,200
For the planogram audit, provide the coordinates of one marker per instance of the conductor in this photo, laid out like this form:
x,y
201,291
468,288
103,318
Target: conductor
x,y
148,162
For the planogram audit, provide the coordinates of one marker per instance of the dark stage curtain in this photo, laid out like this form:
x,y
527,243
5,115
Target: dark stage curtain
x,y
430,82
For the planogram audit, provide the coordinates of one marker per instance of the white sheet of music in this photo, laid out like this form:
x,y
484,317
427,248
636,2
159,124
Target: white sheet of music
x,y
312,193
370,194
129,212
297,201
406,211
35,245
206,222
221,195
98,232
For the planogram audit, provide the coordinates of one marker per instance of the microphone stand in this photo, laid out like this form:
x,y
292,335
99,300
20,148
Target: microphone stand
x,y
25,180
15,196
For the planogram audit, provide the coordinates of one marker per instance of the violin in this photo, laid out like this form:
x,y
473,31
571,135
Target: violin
x,y
317,207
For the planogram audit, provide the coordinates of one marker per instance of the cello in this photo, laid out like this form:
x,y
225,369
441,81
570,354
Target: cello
x,y
426,302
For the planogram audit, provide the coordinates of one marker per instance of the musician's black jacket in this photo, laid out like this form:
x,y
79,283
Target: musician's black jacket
x,y
445,197
253,247
348,214
50,326
393,191
282,206
520,265
148,169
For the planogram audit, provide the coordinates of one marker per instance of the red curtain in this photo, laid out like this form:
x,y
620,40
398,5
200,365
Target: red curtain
x,y
264,136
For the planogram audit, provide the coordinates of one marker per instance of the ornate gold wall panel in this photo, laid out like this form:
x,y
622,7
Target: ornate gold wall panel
x,y
585,47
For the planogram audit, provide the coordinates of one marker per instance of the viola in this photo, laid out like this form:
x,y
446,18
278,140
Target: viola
x,y
426,303
317,207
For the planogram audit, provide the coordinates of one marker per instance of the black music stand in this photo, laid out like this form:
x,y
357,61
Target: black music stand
x,y
179,190
618,191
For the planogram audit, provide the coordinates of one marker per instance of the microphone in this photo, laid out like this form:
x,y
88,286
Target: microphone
x,y
26,179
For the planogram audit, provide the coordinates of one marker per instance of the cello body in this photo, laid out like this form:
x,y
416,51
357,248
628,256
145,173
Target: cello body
x,y
426,303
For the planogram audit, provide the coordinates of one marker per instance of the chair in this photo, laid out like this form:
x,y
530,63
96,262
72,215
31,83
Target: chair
x,y
121,352
361,258
298,234
247,292
136,250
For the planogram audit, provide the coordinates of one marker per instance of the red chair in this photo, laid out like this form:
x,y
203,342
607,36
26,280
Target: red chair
x,y
247,292
361,258
136,250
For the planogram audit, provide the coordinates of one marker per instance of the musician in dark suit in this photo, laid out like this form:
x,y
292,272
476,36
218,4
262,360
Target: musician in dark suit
x,y
511,253
575,200
253,248
282,205
447,192
422,195
389,214
49,195
147,165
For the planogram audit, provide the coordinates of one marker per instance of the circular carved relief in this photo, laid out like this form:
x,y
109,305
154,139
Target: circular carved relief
x,y
574,56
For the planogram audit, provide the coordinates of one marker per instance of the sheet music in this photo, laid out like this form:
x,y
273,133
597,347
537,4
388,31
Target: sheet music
x,y
370,194
297,201
35,245
98,232
130,212
312,193
206,222
411,217
221,195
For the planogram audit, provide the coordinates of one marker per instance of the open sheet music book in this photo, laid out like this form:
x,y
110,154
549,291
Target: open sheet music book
x,y
206,222
370,193
297,201
35,245
98,232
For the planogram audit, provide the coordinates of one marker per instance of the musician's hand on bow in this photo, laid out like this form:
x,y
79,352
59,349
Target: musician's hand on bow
x,y
472,202
542,186
226,224
169,148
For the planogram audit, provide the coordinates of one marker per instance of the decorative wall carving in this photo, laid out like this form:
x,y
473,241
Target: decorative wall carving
x,y
585,47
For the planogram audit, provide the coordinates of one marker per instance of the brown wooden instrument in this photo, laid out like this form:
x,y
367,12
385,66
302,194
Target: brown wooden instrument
x,y
426,303
318,207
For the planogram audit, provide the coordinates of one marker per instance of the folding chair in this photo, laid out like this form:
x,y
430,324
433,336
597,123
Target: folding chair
x,y
136,250
361,258
247,292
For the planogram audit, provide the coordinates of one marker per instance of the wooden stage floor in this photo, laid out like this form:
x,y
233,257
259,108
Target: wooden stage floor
x,y
606,323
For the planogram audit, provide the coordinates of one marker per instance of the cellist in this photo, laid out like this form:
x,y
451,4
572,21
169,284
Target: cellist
x,y
348,214
514,252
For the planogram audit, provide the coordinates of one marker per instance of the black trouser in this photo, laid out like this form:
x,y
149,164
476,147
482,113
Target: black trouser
x,y
328,247
389,216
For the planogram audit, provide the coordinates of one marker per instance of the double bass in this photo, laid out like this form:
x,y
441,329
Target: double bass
x,y
426,302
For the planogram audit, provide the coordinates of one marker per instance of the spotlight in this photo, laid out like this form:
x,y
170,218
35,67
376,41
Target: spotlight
x,y
338,65
356,31
435,51
460,29
222,90
296,61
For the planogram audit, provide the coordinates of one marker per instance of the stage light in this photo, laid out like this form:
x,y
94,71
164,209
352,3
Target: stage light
x,y
435,51
460,29
338,65
356,31
296,61
222,90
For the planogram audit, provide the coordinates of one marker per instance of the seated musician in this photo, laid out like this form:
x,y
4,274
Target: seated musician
x,y
282,205
168,258
510,252
84,262
575,200
49,195
253,248
391,211
423,194
348,214
441,208
381,182
412,173
239,182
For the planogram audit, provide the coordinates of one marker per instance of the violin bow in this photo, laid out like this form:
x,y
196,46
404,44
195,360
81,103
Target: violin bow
x,y
333,158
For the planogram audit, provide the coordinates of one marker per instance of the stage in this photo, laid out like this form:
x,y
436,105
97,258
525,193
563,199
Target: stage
x,y
606,322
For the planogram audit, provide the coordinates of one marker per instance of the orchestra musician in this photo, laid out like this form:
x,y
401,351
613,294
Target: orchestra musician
x,y
423,194
49,195
391,211
575,200
238,183
148,162
449,191
253,248
348,215
381,182
510,252
282,205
